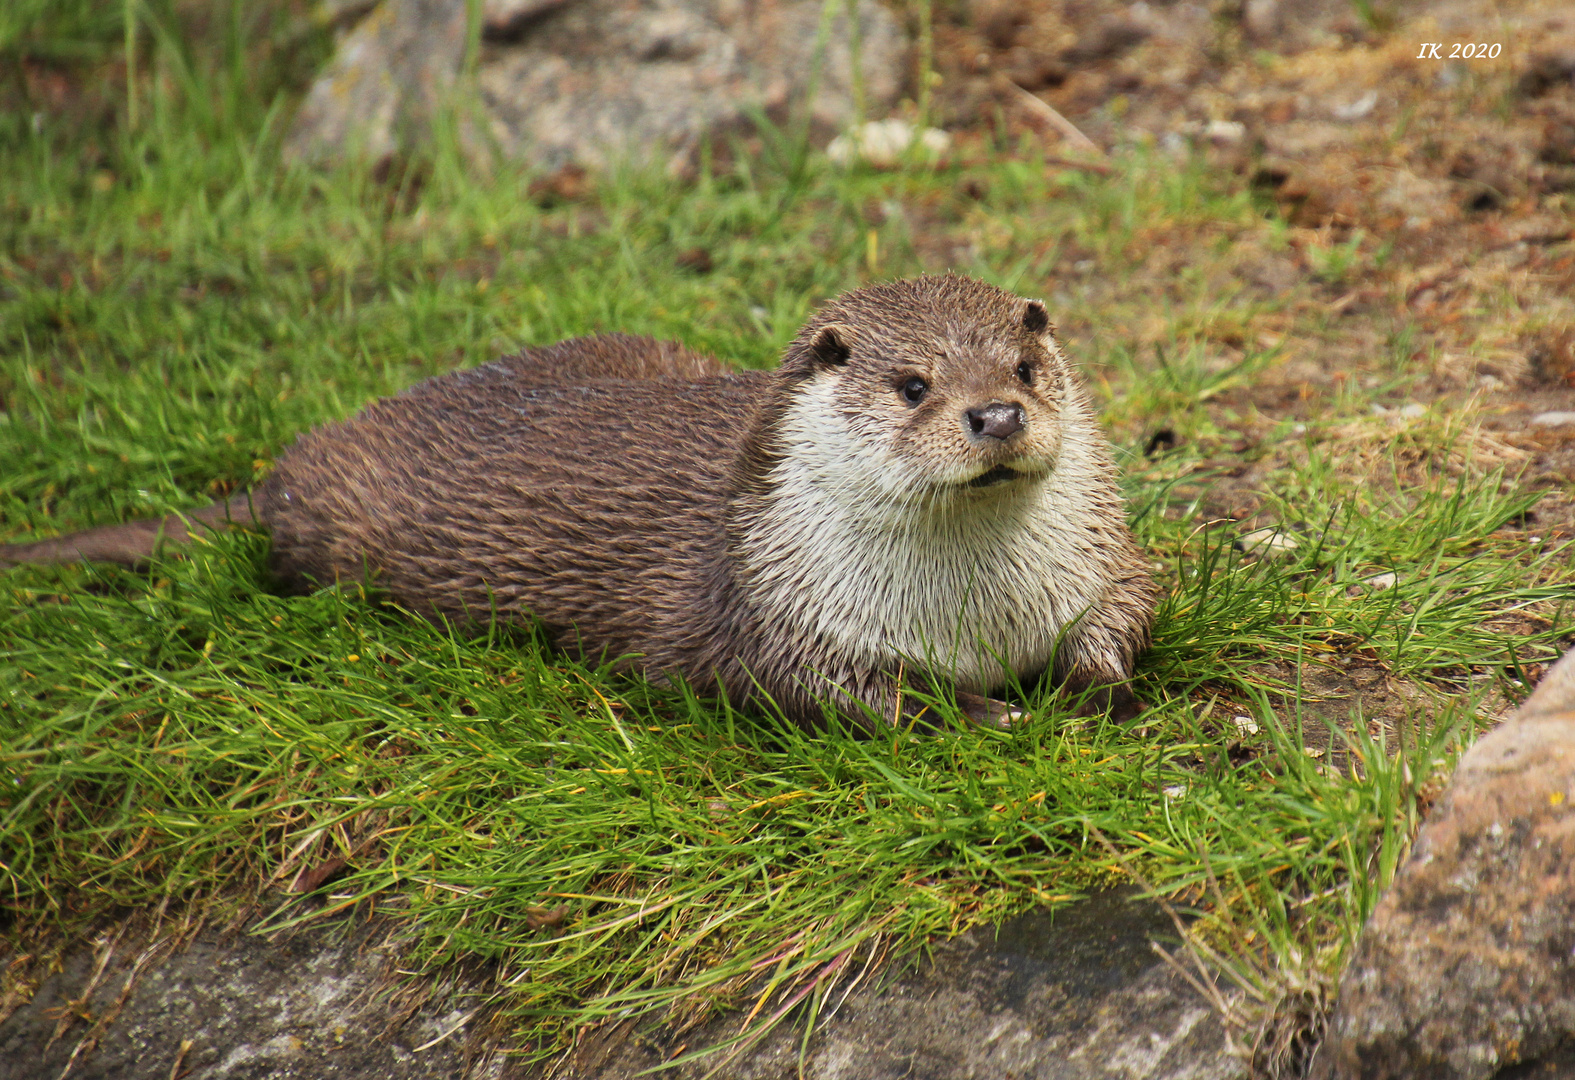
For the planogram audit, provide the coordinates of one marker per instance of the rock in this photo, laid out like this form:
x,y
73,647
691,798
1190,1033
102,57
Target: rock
x,y
1467,966
1356,109
506,20
883,142
1375,583
1078,995
1411,410
1074,995
1270,541
319,1004
1225,131
1553,419
595,82
386,84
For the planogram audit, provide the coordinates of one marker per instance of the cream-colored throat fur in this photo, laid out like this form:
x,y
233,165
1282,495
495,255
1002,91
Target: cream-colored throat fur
x,y
853,548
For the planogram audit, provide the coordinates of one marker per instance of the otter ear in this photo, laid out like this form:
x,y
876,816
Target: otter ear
x,y
1036,320
830,345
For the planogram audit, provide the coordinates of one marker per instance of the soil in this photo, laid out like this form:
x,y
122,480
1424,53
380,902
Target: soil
x,y
1451,182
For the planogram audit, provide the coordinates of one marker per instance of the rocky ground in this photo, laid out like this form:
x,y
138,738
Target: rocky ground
x,y
144,1001
1081,997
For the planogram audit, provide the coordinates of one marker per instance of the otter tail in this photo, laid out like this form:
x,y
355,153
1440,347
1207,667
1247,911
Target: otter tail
x,y
131,543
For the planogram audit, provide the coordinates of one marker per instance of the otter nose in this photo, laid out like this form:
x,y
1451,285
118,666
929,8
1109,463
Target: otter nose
x,y
996,420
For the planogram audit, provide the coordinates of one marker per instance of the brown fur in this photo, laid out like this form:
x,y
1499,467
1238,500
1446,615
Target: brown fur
x,y
617,490
611,356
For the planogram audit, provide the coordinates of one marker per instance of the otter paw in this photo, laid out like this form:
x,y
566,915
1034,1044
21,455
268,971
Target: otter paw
x,y
989,711
1115,700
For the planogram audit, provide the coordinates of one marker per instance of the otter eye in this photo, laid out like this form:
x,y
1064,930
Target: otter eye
x,y
1025,373
914,389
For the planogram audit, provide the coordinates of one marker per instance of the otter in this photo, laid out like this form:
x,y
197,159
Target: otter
x,y
917,499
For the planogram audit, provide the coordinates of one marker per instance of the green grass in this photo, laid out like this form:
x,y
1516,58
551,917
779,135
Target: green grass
x,y
175,311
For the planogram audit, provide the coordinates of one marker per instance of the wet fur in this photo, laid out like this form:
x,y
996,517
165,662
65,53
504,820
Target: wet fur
x,y
802,535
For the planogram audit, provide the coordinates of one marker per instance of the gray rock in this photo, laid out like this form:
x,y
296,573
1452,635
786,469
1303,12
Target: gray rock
x,y
1079,995
388,81
1269,541
1467,966
320,1005
595,82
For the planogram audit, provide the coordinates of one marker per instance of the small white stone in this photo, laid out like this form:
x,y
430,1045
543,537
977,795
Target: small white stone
x,y
1226,131
883,142
1174,791
1380,582
1246,725
1412,409
1554,419
1270,541
1358,108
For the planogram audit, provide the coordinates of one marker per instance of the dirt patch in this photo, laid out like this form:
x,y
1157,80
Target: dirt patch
x,y
1416,248
1333,700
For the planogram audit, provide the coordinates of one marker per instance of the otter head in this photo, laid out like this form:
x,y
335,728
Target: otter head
x,y
944,383
923,483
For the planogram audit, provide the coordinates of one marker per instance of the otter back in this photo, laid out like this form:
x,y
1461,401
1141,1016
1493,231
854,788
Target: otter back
x,y
595,508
